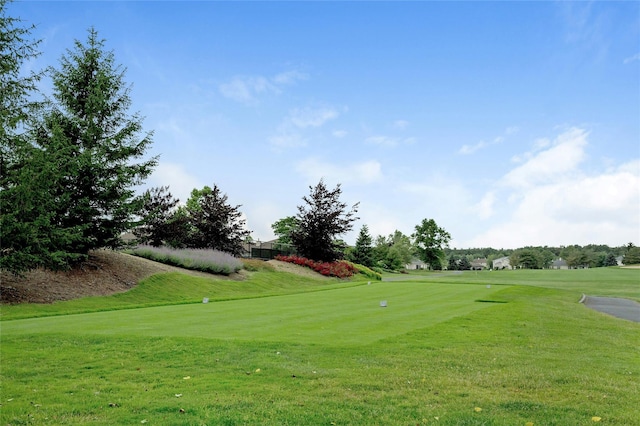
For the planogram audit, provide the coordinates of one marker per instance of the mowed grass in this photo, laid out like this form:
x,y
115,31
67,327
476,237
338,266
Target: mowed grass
x,y
612,282
176,288
345,316
440,353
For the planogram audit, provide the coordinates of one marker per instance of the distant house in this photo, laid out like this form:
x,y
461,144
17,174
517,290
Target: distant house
x,y
478,264
502,263
416,264
559,264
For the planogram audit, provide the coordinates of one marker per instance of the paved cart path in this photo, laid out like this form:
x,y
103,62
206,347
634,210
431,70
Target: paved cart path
x,y
621,308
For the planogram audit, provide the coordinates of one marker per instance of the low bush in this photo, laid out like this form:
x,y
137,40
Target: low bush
x,y
257,265
367,272
205,260
340,268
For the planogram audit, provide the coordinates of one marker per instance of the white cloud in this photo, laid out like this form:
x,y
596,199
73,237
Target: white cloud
x,y
633,58
551,201
485,206
552,164
400,124
382,141
470,149
264,214
365,172
248,89
180,182
289,77
288,133
389,141
172,127
286,139
310,117
339,134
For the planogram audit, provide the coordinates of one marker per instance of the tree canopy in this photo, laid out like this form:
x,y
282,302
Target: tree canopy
x,y
430,241
96,142
283,228
22,212
363,251
393,252
632,256
158,209
71,186
321,220
215,223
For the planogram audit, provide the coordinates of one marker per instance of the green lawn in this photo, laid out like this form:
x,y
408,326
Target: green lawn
x,y
344,316
446,350
175,288
612,282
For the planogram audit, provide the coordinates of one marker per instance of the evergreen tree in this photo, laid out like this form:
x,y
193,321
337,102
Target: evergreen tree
x,y
321,220
464,264
215,223
80,171
24,202
157,210
363,251
453,263
610,260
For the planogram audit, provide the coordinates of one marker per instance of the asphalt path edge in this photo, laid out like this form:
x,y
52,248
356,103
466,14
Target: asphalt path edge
x,y
620,308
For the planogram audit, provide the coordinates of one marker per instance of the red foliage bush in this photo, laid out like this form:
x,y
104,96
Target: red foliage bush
x,y
340,269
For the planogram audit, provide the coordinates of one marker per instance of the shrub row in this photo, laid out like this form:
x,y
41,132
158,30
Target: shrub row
x,y
367,272
340,268
205,260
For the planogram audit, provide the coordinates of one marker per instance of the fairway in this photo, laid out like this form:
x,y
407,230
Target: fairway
x,y
467,349
347,316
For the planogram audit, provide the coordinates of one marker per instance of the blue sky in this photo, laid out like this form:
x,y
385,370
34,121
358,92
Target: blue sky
x,y
509,123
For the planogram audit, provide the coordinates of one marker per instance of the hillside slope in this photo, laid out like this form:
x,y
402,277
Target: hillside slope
x,y
106,272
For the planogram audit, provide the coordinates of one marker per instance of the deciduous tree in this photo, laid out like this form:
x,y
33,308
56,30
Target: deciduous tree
x,y
525,258
430,241
283,228
632,256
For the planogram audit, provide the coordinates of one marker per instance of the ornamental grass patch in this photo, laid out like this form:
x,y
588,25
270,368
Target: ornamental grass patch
x,y
205,260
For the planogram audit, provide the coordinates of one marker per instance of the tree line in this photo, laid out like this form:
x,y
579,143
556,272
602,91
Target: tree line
x,y
208,221
70,164
543,257
393,252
